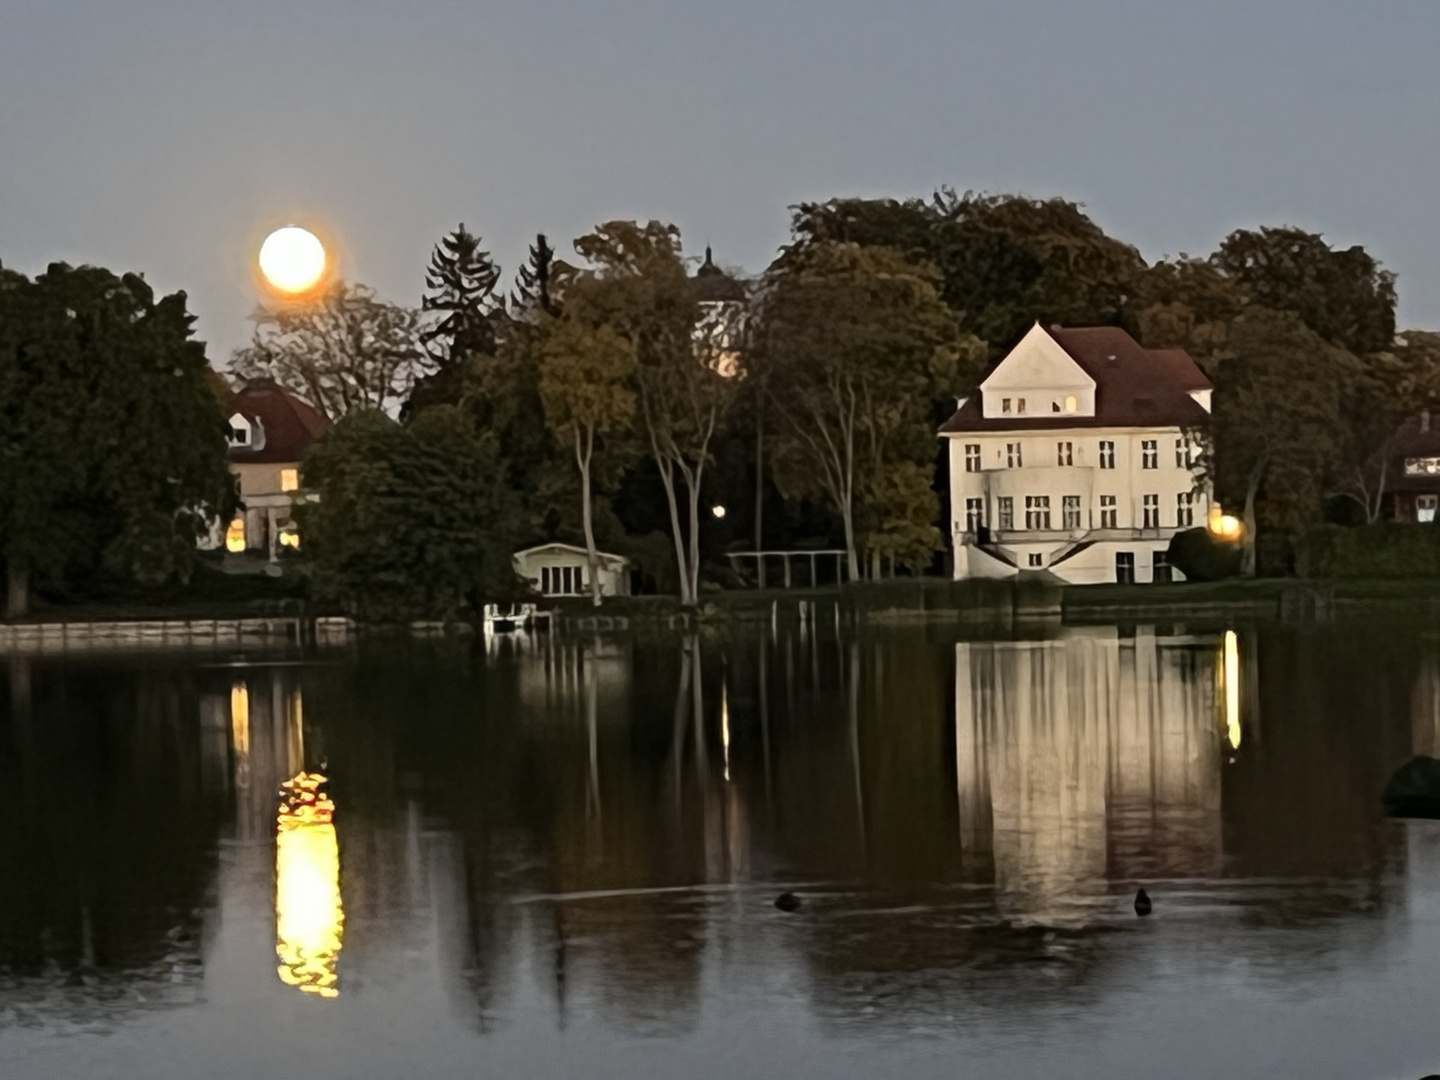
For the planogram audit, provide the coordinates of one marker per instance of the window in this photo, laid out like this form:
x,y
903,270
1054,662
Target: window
x,y
1150,507
1125,567
1109,513
1054,406
1005,405
545,580
1007,512
1107,455
1037,511
1422,466
1037,560
1020,405
1070,508
1072,403
1184,510
1064,453
1149,454
974,515
1161,567
1012,456
239,436
289,479
1425,509
972,457
1182,454
235,536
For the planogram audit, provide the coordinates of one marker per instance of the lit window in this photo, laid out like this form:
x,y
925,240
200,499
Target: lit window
x,y
235,536
1064,453
1107,455
1185,509
1072,403
972,457
1149,454
1013,459
1150,507
1007,512
1425,508
1109,513
289,479
1037,511
1070,507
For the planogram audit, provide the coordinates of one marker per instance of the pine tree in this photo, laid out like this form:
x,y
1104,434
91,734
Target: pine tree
x,y
461,283
532,284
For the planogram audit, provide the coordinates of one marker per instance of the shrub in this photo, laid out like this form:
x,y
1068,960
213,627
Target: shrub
x,y
1201,557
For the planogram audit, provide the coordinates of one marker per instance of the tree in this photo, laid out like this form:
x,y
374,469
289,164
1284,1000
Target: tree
x,y
1189,304
344,352
460,287
412,521
1343,296
855,345
584,378
636,284
112,446
533,282
1277,409
1004,260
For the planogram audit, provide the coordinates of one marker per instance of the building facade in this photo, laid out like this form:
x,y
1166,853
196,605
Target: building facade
x,y
563,570
1077,457
270,430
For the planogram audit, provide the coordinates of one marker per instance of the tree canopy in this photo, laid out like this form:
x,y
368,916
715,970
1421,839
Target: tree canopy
x,y
411,521
343,352
112,445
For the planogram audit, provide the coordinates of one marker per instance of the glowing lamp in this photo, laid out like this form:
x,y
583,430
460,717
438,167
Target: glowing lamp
x,y
235,536
718,511
1223,526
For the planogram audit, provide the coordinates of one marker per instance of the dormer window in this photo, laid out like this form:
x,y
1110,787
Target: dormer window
x,y
241,433
1072,403
1005,405
1020,405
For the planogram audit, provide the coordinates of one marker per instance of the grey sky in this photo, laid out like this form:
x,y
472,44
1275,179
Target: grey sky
x,y
167,135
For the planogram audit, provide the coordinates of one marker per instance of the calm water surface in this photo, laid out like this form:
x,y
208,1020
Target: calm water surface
x,y
559,858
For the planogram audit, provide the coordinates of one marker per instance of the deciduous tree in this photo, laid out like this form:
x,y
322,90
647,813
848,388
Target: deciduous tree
x,y
345,351
412,521
112,446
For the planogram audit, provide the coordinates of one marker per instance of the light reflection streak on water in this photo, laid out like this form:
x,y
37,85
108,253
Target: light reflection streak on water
x,y
1231,685
309,916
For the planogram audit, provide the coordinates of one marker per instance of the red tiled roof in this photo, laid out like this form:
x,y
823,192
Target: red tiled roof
x,y
290,425
1134,387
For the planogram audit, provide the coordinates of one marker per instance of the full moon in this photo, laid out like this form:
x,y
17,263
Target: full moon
x,y
292,259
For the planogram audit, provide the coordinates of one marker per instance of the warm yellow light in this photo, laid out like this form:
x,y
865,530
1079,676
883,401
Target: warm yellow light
x,y
235,536
1231,681
292,259
309,918
289,479
290,540
1223,526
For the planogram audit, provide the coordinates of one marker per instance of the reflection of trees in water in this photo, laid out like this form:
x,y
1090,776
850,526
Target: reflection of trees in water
x,y
108,826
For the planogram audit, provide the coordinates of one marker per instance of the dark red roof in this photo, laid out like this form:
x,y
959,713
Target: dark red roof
x,y
1134,387
290,425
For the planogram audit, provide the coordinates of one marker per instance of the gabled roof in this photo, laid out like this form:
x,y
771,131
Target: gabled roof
x,y
1134,387
571,549
290,425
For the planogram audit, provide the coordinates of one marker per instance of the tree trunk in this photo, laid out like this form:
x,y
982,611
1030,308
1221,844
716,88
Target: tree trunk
x,y
582,458
1247,543
760,478
694,506
852,561
17,590
667,477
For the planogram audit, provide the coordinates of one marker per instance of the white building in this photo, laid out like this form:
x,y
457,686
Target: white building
x,y
563,570
1077,457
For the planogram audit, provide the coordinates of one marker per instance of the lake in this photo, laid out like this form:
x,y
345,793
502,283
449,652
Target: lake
x,y
559,857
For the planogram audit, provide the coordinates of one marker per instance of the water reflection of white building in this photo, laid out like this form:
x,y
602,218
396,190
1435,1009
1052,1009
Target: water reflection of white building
x,y
1086,757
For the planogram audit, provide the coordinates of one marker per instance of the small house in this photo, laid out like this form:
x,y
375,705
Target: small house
x,y
563,570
